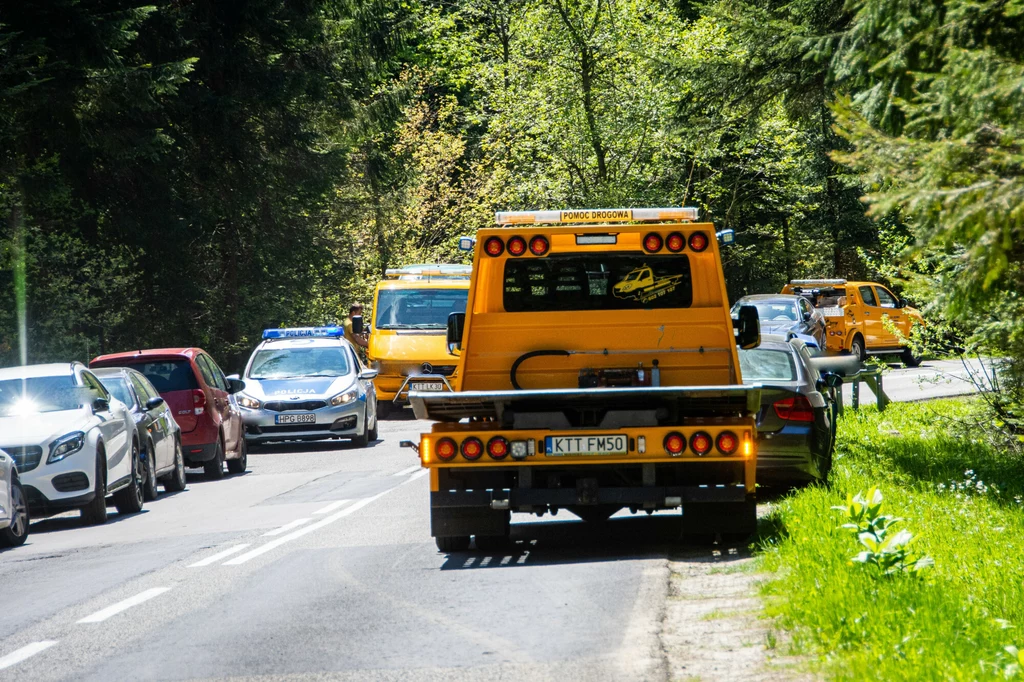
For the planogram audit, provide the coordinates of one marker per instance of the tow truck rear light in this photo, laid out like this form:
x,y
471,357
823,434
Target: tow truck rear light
x,y
472,448
517,246
700,443
539,246
675,443
198,401
675,242
652,242
727,442
446,449
497,448
494,247
698,241
795,409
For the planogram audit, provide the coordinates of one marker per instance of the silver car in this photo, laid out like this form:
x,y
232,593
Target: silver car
x,y
307,384
14,517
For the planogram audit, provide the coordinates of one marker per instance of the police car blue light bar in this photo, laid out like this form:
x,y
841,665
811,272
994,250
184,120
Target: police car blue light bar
x,y
303,332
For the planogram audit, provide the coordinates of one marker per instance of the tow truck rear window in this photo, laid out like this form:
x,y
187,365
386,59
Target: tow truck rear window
x,y
598,281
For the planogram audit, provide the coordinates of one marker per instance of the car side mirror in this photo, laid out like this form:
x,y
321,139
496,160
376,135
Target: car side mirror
x,y
839,365
747,326
902,303
233,376
367,374
830,380
807,316
154,403
100,405
456,324
235,385
357,324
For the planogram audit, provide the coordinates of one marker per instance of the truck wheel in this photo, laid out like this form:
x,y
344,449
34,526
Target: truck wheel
x,y
598,513
909,359
857,348
383,409
452,543
214,469
95,513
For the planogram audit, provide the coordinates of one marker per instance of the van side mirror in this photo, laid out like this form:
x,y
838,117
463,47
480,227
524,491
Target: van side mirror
x,y
748,327
357,324
902,303
456,324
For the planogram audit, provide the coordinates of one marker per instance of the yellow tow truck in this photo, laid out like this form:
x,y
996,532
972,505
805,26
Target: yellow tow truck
x,y
597,370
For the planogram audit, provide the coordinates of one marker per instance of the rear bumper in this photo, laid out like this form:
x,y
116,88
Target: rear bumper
x,y
196,454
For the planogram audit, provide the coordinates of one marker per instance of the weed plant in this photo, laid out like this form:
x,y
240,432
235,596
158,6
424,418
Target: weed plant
x,y
963,619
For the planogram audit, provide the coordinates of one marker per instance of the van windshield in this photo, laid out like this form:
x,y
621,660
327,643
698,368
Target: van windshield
x,y
418,308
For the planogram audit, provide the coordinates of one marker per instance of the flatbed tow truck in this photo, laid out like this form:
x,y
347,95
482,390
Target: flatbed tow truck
x,y
597,370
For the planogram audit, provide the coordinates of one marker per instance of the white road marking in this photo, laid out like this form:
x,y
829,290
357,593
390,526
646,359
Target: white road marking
x,y
420,474
274,544
286,527
331,507
219,555
410,470
27,651
120,606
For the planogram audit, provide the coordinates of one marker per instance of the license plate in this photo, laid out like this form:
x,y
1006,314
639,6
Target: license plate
x,y
428,386
295,419
567,446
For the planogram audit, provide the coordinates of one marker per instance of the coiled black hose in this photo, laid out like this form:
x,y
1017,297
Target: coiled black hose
x,y
526,356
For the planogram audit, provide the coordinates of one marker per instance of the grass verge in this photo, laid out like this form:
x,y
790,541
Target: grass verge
x,y
963,497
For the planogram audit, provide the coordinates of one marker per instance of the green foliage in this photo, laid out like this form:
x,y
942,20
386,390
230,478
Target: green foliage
x,y
889,553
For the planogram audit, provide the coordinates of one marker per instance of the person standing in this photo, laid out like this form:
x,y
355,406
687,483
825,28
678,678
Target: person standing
x,y
359,340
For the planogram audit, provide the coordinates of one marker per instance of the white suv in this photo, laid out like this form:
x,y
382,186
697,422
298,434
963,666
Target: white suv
x,y
73,443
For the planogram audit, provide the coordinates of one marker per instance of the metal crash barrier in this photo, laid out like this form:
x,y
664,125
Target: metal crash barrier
x,y
871,377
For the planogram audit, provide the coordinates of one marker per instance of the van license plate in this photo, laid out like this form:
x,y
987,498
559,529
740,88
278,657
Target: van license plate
x,y
428,386
295,419
562,446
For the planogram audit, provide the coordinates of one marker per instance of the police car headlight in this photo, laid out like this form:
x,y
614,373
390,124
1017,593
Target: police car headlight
x,y
247,401
345,398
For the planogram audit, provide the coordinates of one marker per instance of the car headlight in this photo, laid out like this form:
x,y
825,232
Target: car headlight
x,y
346,397
248,401
66,445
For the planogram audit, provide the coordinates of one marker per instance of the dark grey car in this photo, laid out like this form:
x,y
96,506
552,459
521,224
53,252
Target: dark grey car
x,y
159,434
785,313
796,425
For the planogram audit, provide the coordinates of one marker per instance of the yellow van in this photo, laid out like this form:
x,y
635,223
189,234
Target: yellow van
x,y
407,333
597,370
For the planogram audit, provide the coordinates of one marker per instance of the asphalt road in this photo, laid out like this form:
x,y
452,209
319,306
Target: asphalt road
x,y
933,379
318,563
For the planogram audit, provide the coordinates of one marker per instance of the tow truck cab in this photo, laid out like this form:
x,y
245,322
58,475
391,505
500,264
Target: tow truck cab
x,y
597,370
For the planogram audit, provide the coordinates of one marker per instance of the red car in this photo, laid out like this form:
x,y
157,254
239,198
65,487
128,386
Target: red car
x,y
201,400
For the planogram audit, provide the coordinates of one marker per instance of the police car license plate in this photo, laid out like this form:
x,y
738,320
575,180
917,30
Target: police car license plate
x,y
562,446
295,419
428,386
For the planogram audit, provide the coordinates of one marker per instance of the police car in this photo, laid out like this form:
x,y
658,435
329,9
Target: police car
x,y
307,383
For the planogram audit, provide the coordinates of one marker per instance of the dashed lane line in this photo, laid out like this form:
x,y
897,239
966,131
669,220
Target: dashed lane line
x,y
331,507
120,606
286,527
410,470
219,555
27,651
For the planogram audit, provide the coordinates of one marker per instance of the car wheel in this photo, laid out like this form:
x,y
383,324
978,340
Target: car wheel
x,y
214,469
363,439
452,543
129,500
95,513
909,359
16,534
857,348
238,466
372,435
151,482
175,481
383,409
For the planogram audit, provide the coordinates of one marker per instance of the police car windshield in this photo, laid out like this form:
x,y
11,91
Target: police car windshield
x,y
291,363
418,308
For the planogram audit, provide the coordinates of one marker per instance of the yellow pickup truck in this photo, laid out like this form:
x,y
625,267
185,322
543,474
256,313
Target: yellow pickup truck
x,y
597,370
855,317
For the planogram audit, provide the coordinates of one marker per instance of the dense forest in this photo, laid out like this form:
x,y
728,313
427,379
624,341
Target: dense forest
x,y
191,171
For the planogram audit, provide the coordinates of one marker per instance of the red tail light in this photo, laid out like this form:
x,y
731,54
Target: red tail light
x,y
517,246
700,443
675,242
445,449
795,409
497,448
539,246
494,246
698,241
652,242
198,401
472,448
675,443
727,442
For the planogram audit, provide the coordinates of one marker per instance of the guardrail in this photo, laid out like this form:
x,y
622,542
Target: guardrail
x,y
871,377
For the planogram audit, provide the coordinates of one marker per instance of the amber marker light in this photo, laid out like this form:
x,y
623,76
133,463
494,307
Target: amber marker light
x,y
748,445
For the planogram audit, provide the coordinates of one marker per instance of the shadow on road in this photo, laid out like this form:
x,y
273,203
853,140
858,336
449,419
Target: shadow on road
x,y
305,447
73,521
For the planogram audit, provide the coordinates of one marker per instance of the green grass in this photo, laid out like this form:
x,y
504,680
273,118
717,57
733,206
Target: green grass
x,y
951,623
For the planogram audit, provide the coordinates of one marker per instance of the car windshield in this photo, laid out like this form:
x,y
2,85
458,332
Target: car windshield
x,y
118,387
288,363
41,394
168,375
775,311
762,364
418,308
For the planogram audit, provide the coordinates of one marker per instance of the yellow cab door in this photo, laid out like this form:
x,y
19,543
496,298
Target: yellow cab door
x,y
872,317
890,306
